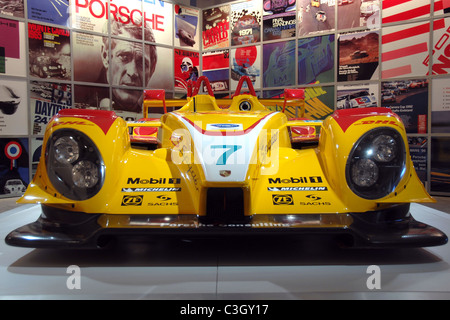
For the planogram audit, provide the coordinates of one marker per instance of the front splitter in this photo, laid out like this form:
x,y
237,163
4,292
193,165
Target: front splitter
x,y
94,231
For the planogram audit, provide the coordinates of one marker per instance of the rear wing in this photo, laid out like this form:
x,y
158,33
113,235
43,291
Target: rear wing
x,y
155,98
302,130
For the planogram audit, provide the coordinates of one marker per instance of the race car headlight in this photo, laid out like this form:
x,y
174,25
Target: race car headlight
x,y
85,174
66,150
74,164
385,148
376,163
365,173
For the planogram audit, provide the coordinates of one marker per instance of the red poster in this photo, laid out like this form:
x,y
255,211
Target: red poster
x,y
185,68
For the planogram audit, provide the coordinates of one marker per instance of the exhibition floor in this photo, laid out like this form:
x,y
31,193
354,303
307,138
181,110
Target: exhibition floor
x,y
306,268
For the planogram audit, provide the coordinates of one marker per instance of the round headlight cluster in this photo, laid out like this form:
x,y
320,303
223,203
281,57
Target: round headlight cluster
x,y
74,164
376,163
66,150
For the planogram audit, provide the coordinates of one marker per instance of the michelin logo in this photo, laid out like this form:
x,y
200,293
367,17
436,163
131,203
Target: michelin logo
x,y
277,189
151,189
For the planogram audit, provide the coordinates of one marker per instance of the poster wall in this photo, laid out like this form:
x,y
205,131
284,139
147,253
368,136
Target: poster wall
x,y
353,14
440,168
186,27
441,7
89,15
49,52
161,77
186,68
13,107
404,50
245,20
14,8
216,66
408,99
315,16
278,63
14,166
55,12
12,48
357,96
89,60
70,54
91,97
216,25
316,59
441,46
157,17
418,148
46,99
440,110
396,11
358,56
279,20
246,61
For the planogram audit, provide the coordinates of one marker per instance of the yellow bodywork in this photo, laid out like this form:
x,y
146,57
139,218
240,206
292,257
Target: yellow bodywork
x,y
174,178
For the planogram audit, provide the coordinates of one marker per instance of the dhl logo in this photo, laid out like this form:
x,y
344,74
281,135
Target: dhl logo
x,y
72,123
388,122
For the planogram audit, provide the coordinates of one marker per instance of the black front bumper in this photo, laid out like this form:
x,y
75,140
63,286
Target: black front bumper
x,y
394,227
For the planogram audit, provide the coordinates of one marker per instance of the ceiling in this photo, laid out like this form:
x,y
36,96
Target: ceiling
x,y
209,3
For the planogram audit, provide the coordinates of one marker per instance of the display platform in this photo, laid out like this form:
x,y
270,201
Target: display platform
x,y
243,268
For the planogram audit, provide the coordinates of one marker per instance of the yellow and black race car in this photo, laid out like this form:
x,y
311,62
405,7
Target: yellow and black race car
x,y
225,167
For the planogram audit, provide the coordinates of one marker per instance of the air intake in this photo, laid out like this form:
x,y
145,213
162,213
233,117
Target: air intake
x,y
225,205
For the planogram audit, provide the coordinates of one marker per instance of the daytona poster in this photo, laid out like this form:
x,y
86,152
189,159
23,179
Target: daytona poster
x,y
46,99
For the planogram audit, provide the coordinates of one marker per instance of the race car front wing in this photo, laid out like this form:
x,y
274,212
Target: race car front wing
x,y
394,227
